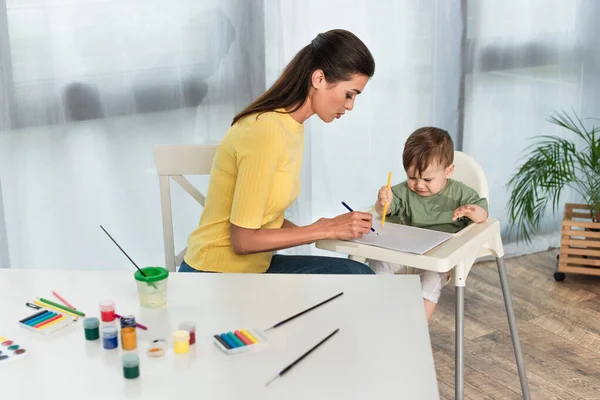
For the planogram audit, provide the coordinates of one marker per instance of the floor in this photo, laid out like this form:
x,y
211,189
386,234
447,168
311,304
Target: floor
x,y
559,324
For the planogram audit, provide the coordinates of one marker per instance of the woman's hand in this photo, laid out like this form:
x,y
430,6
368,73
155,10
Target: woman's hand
x,y
346,226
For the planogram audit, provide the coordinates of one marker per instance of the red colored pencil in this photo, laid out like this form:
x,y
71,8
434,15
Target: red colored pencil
x,y
243,338
62,299
57,316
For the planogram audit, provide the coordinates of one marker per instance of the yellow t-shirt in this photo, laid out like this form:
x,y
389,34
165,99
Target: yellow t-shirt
x,y
254,178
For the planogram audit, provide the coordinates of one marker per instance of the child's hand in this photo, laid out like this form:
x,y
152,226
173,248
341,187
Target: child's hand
x,y
384,196
474,212
463,211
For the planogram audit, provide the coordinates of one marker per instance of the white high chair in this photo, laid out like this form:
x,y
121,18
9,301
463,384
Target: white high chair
x,y
457,254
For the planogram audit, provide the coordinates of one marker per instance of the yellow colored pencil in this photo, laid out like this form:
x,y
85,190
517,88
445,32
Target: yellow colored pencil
x,y
249,336
44,305
53,322
385,206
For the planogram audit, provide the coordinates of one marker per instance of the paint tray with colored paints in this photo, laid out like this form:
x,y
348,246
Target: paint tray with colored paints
x,y
241,340
10,350
46,322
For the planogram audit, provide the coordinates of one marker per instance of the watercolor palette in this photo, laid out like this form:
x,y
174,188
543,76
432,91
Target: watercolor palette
x,y
10,350
241,340
46,322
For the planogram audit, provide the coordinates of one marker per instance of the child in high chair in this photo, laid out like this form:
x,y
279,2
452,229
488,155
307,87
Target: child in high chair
x,y
429,199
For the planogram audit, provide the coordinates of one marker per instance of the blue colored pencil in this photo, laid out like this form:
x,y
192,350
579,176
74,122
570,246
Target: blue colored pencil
x,y
228,340
223,342
41,318
33,316
351,210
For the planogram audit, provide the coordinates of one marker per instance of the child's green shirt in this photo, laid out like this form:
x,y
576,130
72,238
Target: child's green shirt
x,y
433,212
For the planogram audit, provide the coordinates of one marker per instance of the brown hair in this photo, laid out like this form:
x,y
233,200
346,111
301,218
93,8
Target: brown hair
x,y
426,146
338,53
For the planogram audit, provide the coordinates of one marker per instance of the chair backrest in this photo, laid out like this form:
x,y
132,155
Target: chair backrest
x,y
469,172
172,162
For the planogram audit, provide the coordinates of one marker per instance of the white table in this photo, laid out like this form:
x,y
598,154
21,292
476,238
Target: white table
x,y
382,350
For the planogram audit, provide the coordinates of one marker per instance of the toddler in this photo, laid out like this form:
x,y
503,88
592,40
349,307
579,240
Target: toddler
x,y
429,199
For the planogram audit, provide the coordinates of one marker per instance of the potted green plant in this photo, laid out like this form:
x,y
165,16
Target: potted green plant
x,y
551,164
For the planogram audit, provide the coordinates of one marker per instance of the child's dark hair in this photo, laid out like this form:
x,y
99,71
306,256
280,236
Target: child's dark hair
x,y
427,146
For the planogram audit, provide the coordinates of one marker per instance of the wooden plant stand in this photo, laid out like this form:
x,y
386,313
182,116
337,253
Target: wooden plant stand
x,y
579,243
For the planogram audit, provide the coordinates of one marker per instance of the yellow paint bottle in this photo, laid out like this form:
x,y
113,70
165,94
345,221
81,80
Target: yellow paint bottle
x,y
181,342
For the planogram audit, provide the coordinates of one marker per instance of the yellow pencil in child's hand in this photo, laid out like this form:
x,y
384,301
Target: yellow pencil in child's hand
x,y
385,206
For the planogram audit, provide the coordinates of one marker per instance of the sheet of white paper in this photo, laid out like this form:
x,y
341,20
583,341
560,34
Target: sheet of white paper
x,y
403,238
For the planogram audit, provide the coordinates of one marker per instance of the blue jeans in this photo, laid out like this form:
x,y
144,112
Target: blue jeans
x,y
284,264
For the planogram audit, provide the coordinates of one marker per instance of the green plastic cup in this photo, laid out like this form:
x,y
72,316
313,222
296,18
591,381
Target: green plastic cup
x,y
152,288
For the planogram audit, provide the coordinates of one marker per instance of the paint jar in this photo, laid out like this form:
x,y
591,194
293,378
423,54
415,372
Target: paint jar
x,y
127,321
109,337
152,288
91,328
157,348
128,338
181,342
131,366
107,310
191,328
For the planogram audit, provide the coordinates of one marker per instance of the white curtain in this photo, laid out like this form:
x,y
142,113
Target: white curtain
x,y
526,61
87,88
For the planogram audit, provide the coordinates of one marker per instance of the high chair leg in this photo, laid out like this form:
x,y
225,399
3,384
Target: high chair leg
x,y
514,332
459,374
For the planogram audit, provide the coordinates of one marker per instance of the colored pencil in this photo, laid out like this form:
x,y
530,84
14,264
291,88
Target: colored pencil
x,y
56,321
33,316
305,311
62,299
250,337
138,325
289,367
64,308
235,340
224,343
49,307
228,340
385,206
243,338
54,318
351,210
43,317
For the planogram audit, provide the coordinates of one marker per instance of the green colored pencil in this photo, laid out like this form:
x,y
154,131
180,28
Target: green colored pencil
x,y
53,304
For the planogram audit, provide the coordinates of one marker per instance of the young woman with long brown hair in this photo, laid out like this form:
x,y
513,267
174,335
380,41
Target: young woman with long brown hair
x,y
256,171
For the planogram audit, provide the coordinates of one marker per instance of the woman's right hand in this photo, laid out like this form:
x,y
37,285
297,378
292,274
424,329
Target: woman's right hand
x,y
346,226
384,196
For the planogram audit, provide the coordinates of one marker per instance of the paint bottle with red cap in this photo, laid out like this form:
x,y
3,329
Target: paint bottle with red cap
x,y
107,310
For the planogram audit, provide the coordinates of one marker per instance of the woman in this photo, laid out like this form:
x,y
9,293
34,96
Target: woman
x,y
256,171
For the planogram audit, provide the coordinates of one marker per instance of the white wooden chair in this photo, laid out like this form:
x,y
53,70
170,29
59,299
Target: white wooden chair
x,y
457,254
172,162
